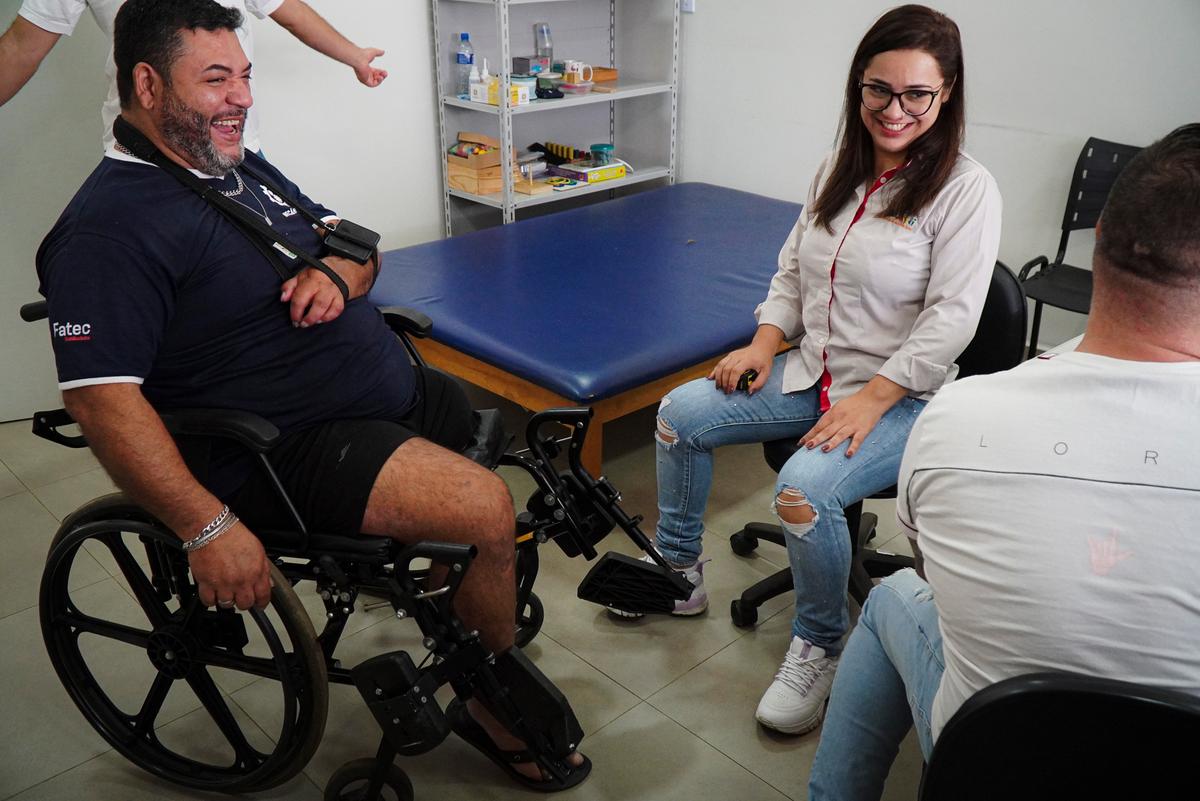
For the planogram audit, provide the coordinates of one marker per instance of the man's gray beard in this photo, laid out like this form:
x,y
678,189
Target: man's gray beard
x,y
185,131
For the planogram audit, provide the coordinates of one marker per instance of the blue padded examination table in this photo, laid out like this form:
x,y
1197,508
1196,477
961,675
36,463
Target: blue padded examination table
x,y
608,306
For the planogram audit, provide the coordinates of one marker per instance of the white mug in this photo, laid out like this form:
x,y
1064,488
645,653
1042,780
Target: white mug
x,y
574,72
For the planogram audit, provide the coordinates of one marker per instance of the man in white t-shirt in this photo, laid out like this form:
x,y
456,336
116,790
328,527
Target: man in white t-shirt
x,y
1055,504
40,23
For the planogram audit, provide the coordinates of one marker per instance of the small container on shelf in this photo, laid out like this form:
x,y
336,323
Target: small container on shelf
x,y
581,88
602,154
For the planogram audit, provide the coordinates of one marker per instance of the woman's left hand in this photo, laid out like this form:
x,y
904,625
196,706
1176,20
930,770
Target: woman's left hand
x,y
854,417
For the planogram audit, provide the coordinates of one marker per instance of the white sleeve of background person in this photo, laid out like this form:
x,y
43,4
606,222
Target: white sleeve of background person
x,y
55,16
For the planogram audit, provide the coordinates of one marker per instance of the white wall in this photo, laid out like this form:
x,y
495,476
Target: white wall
x,y
762,82
49,140
759,105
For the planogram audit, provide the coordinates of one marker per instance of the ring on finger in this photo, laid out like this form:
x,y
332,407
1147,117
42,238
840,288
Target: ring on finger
x,y
225,604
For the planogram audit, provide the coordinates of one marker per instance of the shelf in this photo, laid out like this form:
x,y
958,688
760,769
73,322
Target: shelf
x,y
496,200
627,90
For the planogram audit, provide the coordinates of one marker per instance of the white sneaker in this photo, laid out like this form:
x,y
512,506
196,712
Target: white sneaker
x,y
795,701
696,603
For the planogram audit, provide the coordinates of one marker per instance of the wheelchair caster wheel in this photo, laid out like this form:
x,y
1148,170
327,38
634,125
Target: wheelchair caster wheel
x,y
743,544
352,782
194,658
529,621
743,615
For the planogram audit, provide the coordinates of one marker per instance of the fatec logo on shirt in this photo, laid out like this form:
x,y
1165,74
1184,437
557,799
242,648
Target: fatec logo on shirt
x,y
72,332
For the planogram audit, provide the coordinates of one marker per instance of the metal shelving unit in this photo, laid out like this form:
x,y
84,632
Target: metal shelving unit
x,y
642,114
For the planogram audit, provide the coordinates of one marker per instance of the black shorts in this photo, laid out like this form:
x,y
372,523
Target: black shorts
x,y
328,470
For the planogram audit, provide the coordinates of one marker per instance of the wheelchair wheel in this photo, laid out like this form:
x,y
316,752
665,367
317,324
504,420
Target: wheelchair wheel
x,y
529,620
351,782
175,714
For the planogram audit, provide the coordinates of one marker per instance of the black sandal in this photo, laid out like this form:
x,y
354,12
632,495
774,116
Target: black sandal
x,y
473,734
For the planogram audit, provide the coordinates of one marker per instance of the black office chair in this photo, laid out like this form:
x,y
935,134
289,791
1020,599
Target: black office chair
x,y
1064,736
1058,284
998,344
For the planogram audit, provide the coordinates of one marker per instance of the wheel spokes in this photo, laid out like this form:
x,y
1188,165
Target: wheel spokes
x,y
144,722
206,690
147,598
82,623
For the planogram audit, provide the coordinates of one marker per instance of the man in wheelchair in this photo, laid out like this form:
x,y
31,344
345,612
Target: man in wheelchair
x,y
163,293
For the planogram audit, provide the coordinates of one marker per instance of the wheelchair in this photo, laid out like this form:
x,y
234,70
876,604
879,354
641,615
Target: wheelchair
x,y
216,651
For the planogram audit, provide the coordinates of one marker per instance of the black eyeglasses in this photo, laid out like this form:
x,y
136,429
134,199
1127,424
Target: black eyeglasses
x,y
913,102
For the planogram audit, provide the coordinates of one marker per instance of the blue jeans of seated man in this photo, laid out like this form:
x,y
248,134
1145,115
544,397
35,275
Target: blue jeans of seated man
x,y
886,681
696,418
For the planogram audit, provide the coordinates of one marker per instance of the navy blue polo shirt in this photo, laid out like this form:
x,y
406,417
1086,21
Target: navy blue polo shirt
x,y
148,283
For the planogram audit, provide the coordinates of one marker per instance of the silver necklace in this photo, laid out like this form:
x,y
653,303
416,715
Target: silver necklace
x,y
241,187
229,193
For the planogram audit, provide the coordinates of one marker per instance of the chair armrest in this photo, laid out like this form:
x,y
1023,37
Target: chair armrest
x,y
403,321
247,428
31,312
1040,261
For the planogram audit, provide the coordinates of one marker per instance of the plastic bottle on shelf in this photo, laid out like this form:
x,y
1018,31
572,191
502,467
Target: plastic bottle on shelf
x,y
542,44
464,59
478,84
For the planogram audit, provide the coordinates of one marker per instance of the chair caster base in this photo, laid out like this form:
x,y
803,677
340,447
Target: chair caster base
x,y
744,615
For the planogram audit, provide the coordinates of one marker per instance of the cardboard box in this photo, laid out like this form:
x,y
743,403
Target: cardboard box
x,y
488,180
585,173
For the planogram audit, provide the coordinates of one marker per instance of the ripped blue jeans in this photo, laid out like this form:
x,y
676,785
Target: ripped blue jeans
x,y
885,683
696,418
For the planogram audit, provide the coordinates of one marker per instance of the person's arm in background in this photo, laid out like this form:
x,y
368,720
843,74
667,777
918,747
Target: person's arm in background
x,y
299,19
22,48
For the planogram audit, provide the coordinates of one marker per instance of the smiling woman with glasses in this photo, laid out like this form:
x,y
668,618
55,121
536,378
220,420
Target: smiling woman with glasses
x,y
879,288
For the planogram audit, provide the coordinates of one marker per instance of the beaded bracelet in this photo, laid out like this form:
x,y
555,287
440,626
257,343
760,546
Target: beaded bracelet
x,y
220,524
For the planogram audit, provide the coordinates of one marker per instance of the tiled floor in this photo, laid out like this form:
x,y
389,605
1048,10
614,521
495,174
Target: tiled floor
x,y
667,704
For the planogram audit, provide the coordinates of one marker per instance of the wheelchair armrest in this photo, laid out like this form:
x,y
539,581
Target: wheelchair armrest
x,y
1040,261
408,321
31,312
256,433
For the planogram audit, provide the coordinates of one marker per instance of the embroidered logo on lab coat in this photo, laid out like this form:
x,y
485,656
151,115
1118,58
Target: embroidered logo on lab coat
x,y
908,223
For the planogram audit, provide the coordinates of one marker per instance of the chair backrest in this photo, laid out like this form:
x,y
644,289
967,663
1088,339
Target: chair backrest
x,y
999,341
1096,169
1065,736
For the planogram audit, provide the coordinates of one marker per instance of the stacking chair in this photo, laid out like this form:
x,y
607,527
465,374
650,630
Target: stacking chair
x,y
1053,282
998,344
1054,736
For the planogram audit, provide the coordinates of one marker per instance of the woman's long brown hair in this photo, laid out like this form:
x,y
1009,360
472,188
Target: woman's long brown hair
x,y
933,155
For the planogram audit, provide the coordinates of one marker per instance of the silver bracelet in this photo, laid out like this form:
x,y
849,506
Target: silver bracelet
x,y
220,524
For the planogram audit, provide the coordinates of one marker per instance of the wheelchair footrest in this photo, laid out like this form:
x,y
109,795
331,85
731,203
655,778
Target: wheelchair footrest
x,y
539,712
401,699
631,585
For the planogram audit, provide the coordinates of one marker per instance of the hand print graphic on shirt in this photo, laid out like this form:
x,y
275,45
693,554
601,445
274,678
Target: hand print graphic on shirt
x,y
1106,554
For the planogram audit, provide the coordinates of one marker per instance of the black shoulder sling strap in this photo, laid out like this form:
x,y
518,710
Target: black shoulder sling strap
x,y
250,223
